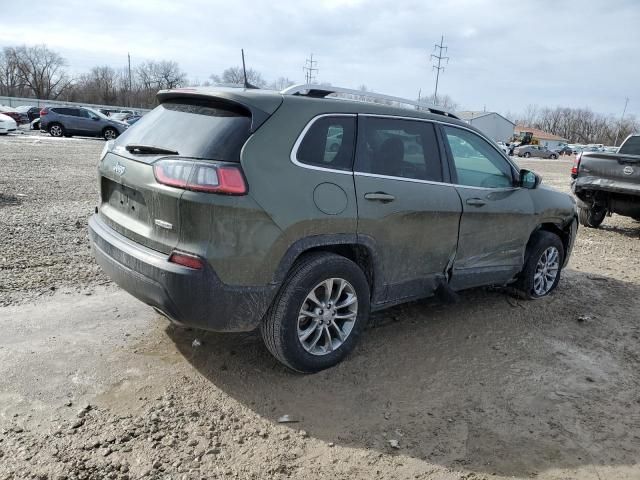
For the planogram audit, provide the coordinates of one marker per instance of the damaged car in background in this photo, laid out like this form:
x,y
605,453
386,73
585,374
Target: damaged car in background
x,y
607,183
298,213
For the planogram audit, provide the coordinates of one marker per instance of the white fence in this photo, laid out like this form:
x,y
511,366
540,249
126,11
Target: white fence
x,y
17,101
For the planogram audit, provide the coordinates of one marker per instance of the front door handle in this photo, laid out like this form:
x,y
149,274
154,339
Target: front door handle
x,y
379,197
476,202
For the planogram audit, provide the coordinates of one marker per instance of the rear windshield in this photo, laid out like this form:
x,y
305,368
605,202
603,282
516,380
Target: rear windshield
x,y
631,146
193,128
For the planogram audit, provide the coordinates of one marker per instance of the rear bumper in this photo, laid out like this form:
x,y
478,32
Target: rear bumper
x,y
195,298
588,183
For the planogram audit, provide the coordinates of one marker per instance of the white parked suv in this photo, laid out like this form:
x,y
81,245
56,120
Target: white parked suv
x,y
7,124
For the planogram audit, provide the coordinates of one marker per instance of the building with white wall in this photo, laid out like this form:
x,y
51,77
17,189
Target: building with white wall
x,y
492,124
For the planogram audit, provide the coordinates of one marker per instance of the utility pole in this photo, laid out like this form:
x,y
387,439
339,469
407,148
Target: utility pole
x,y
309,69
129,61
438,67
626,102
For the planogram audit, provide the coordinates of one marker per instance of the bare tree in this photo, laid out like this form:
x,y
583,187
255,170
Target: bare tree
x,y
160,75
152,76
42,71
10,83
281,83
235,76
444,101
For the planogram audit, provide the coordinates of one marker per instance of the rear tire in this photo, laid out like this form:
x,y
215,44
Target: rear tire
x,y
554,156
110,133
56,130
526,155
537,280
589,217
285,325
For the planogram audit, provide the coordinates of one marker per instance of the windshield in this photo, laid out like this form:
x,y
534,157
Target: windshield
x,y
195,128
631,146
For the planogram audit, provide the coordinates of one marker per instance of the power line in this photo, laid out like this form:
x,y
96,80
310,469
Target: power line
x,y
309,69
438,67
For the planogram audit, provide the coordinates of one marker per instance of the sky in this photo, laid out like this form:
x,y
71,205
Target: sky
x,y
504,54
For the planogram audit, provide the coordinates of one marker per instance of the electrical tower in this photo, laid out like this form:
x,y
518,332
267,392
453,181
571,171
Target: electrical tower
x,y
440,48
310,70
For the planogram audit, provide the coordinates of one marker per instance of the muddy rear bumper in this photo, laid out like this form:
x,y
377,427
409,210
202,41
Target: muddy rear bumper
x,y
190,297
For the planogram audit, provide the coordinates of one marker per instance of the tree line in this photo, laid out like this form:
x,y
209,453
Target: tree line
x,y
39,72
578,125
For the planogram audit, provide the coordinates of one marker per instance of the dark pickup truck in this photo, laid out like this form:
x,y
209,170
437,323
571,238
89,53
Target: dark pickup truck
x,y
606,183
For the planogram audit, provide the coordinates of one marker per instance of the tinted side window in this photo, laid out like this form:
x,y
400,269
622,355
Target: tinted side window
x,y
398,148
329,143
477,163
67,111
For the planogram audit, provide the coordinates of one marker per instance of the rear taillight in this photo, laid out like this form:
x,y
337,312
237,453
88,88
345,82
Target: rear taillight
x,y
200,176
44,111
576,166
186,260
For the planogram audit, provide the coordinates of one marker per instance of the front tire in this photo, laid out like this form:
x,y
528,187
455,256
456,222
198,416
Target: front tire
x,y
527,155
56,130
110,133
319,314
554,156
542,267
590,217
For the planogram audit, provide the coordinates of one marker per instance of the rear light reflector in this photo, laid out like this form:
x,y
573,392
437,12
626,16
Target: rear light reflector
x,y
200,176
186,260
44,111
576,165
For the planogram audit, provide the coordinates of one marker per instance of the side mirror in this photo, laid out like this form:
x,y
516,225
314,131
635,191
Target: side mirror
x,y
529,179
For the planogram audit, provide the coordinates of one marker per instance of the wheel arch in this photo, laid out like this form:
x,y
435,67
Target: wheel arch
x,y
566,233
359,249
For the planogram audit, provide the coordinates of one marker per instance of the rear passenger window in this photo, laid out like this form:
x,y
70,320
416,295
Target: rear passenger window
x,y
398,148
329,143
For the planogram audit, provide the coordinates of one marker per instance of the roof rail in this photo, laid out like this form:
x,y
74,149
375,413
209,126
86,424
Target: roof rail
x,y
321,91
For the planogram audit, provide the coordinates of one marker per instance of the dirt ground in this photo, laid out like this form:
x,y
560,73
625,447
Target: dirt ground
x,y
95,385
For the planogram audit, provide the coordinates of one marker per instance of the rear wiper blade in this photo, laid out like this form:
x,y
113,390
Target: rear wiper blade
x,y
149,149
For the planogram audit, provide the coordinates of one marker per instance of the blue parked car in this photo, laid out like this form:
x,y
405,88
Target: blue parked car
x,y
68,121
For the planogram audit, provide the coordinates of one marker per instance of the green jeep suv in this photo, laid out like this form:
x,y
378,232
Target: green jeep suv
x,y
298,213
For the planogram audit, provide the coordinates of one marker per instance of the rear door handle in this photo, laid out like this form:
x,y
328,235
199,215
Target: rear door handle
x,y
379,197
476,202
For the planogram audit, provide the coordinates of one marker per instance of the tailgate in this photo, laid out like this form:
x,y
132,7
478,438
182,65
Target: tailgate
x,y
136,206
182,129
610,172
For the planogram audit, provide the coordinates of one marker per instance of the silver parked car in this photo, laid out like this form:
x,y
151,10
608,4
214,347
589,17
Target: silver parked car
x,y
535,151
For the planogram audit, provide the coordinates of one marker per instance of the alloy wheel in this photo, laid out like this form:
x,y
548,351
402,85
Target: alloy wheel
x,y
327,316
546,272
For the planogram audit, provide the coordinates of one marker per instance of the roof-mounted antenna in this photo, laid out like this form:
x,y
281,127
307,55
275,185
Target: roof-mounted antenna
x,y
244,72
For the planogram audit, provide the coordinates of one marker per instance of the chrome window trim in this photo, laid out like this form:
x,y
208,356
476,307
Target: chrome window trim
x,y
431,182
296,146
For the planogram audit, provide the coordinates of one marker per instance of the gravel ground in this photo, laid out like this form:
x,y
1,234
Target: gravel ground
x,y
95,385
